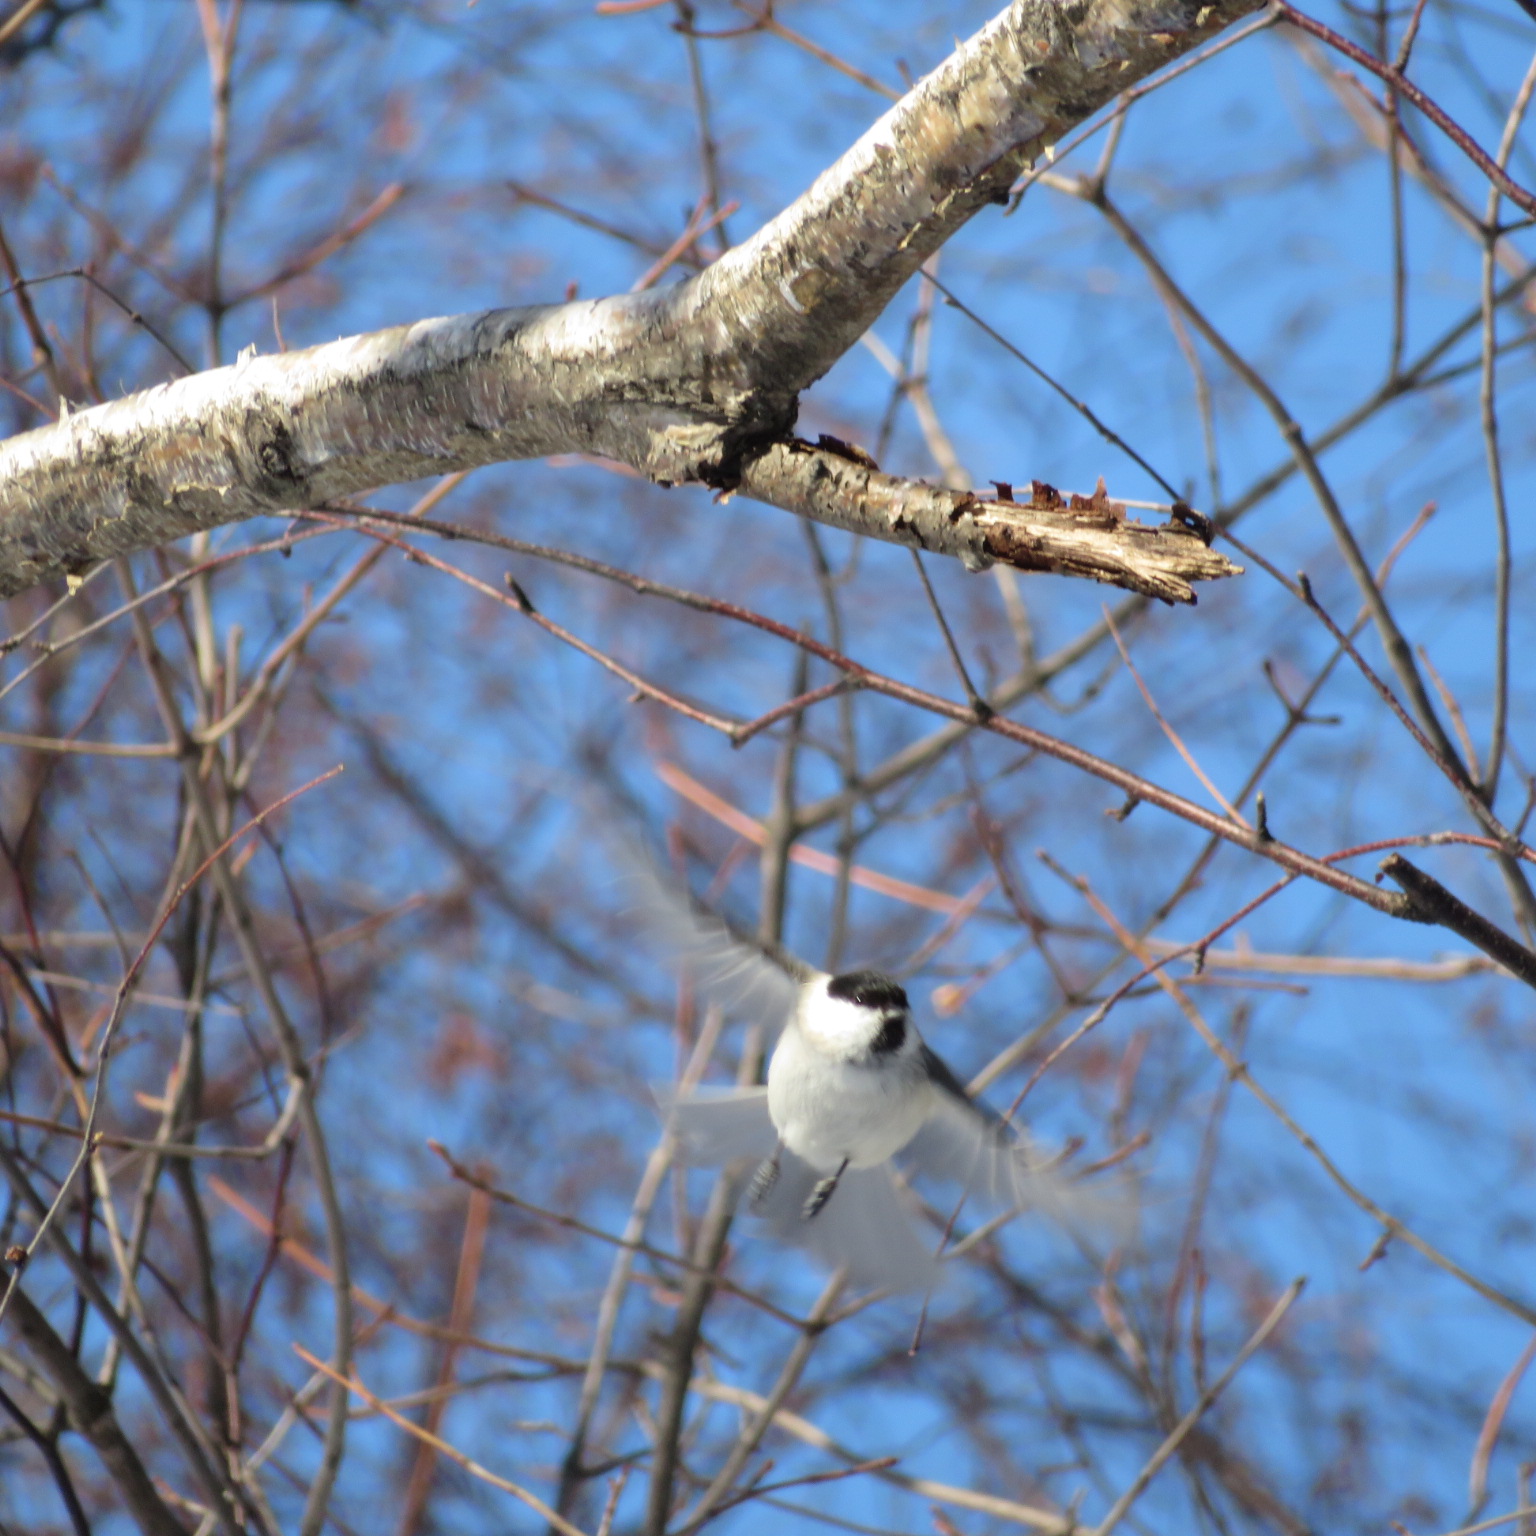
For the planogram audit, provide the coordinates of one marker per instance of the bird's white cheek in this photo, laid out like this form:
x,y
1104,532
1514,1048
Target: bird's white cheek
x,y
835,1028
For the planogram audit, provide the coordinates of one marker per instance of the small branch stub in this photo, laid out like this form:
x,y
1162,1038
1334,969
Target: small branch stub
x,y
1071,535
1431,902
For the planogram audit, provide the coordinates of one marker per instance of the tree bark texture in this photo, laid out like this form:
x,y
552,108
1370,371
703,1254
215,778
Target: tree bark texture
x,y
91,1413
695,383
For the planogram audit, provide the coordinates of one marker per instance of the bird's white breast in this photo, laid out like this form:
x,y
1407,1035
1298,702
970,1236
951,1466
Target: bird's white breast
x,y
828,1107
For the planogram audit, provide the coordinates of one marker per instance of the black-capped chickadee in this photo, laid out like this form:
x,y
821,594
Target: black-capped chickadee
x,y
851,1085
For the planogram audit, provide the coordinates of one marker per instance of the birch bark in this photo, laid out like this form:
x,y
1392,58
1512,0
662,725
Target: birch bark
x,y
697,383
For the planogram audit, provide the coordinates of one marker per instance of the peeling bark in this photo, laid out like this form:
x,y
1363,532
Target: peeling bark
x,y
695,383
1084,537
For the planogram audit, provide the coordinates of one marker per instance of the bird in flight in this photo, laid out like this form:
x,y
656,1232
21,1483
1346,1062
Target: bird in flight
x,y
851,1086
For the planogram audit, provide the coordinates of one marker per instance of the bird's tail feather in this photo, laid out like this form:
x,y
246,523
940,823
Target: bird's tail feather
x,y
867,1228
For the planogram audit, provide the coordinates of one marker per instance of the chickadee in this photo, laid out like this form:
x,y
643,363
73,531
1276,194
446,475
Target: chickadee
x,y
851,1085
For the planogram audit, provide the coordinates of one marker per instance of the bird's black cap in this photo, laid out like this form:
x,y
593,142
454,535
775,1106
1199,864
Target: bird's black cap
x,y
869,989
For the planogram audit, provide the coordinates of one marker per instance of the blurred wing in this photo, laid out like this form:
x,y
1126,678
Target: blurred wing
x,y
867,1228
747,980
718,1126
968,1145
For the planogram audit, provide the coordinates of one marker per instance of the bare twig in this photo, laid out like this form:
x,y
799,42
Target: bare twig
x,y
441,1446
1181,1431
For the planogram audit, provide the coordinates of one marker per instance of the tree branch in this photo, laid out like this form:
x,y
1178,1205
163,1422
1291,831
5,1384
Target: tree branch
x,y
1433,903
90,1412
1077,536
684,384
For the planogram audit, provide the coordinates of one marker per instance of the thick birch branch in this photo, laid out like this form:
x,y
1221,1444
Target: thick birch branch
x,y
698,382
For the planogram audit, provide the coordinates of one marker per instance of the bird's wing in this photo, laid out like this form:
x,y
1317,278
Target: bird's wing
x,y
866,1228
715,1126
747,979
966,1144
